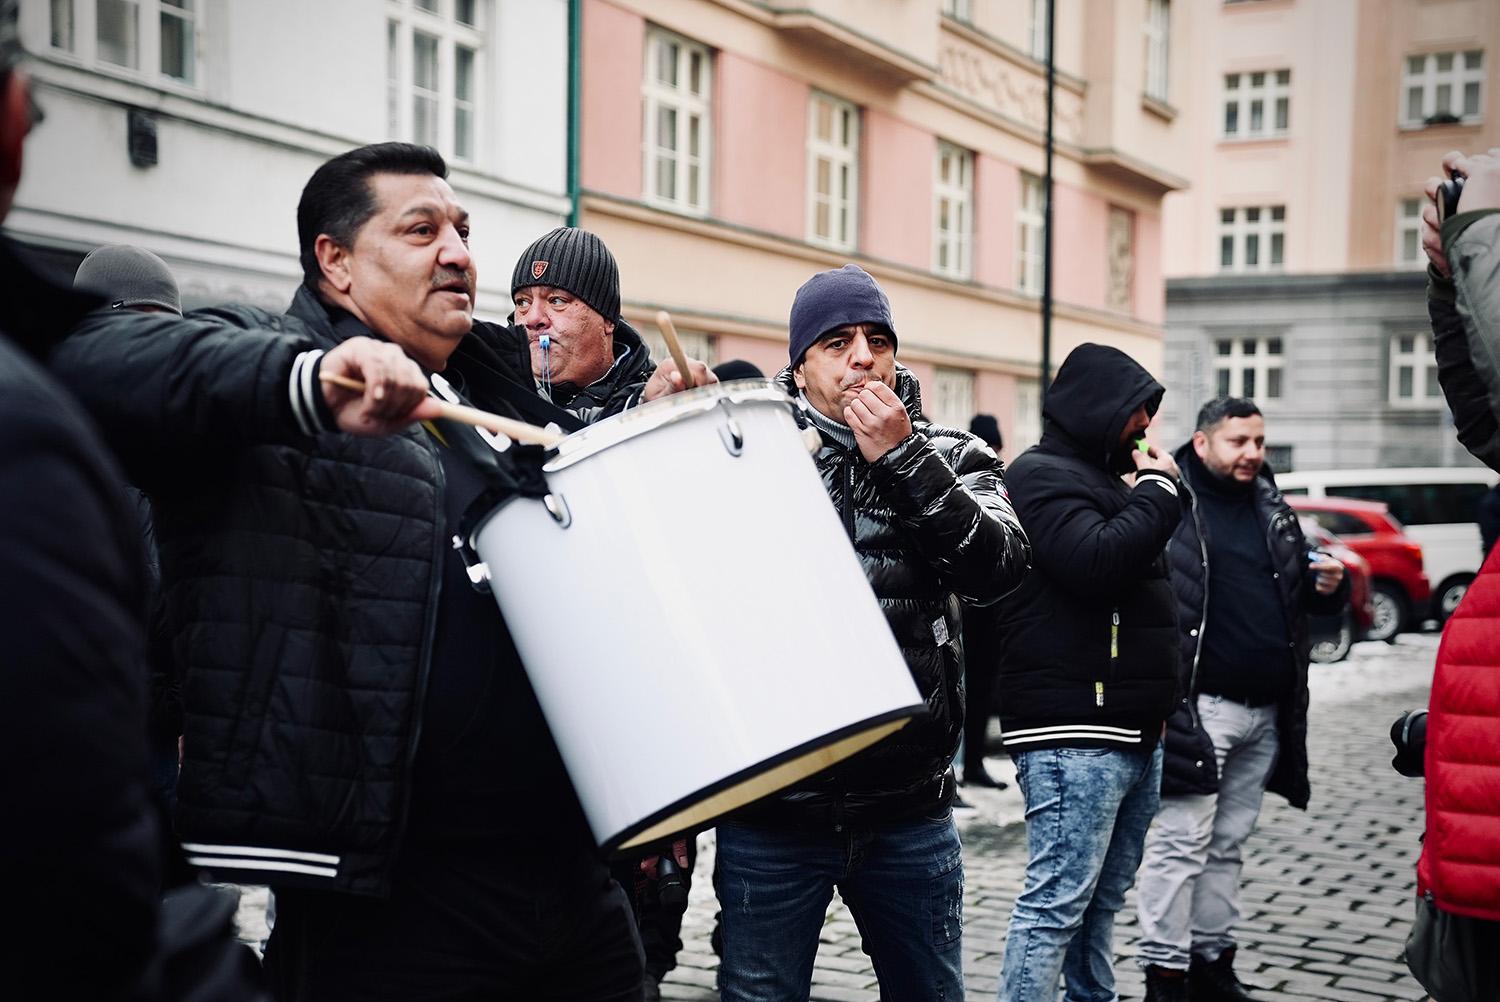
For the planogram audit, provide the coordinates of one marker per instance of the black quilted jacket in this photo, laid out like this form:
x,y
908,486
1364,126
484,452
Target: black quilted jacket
x,y
300,576
1189,766
932,525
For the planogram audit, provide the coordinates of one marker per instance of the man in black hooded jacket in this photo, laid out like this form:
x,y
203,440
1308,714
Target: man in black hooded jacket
x,y
1088,672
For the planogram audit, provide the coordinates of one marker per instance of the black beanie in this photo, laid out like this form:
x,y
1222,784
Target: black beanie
x,y
848,295
575,261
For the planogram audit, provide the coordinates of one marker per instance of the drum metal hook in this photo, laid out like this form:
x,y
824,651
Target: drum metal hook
x,y
478,570
557,507
729,431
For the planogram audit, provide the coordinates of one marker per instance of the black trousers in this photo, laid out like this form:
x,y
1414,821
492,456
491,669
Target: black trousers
x,y
463,927
981,666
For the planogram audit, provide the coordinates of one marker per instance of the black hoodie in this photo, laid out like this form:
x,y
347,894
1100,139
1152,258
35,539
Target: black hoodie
x,y
1090,636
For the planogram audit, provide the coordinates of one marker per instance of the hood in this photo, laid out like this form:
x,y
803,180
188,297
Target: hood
x,y
1096,389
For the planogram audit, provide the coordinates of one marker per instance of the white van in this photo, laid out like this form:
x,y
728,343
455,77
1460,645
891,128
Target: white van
x,y
1436,505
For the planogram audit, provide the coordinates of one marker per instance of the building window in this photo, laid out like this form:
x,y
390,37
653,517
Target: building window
x,y
1248,367
157,39
1409,232
695,345
675,97
1030,233
953,211
1442,87
1121,259
833,171
1257,104
1038,33
433,54
1026,427
1414,373
1252,239
1158,34
950,401
959,10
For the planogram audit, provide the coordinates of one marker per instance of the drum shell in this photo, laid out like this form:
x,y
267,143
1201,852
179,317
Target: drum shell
x,y
700,617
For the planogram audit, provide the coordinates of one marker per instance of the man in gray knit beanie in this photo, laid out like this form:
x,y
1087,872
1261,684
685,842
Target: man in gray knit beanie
x,y
129,278
566,292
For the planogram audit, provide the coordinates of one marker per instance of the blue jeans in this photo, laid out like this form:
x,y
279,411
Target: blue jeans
x,y
1087,811
903,883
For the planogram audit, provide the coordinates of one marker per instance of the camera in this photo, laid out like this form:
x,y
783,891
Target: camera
x,y
670,888
1409,735
1447,196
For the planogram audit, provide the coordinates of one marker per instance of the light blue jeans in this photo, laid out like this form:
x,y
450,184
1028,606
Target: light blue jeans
x,y
1189,899
1087,811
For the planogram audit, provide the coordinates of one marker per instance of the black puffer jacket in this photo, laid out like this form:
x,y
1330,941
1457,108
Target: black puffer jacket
x,y
300,575
932,526
1090,637
1189,766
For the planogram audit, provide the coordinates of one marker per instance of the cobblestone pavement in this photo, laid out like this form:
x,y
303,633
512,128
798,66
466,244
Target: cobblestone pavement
x,y
1328,892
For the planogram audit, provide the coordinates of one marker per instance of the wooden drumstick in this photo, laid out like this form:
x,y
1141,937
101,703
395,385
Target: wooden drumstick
x,y
520,431
669,333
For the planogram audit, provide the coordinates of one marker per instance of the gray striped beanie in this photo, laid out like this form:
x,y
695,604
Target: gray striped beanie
x,y
575,261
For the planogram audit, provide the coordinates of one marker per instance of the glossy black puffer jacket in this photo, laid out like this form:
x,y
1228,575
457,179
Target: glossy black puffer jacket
x,y
932,526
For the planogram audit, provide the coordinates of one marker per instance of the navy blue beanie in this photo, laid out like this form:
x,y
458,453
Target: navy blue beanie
x,y
833,299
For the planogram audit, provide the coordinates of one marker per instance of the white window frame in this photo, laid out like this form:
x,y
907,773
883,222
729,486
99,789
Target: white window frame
x,y
951,402
1242,93
1259,359
1268,226
1037,33
84,15
843,161
1026,428
1429,80
692,110
959,10
953,190
1409,233
1031,222
1157,28
410,19
1426,394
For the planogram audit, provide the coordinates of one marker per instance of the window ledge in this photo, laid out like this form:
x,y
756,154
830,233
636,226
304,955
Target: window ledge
x,y
1236,142
1158,107
1463,123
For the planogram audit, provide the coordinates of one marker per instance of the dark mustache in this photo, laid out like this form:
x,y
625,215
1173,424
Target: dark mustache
x,y
444,277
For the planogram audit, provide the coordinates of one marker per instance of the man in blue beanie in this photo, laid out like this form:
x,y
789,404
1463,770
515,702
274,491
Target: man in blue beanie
x,y
927,513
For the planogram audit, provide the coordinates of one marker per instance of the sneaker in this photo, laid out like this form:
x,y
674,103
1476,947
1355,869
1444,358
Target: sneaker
x,y
978,775
1163,984
1215,981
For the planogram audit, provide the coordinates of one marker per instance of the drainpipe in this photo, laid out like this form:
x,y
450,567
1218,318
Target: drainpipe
x,y
1046,373
575,98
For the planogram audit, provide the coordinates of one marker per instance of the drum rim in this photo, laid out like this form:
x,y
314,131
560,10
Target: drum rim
x,y
622,427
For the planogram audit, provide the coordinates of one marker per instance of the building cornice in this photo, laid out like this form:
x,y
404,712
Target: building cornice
x,y
1008,52
1223,288
814,25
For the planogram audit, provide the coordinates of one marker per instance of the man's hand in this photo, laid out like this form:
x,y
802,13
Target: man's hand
x,y
666,379
1330,572
395,392
878,419
1481,173
1155,459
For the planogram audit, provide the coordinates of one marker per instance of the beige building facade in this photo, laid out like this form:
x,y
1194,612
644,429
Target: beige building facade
x,y
1294,271
730,149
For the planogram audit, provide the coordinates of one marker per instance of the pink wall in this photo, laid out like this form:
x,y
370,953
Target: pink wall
x,y
769,356
1150,287
896,165
997,196
1080,263
760,172
613,58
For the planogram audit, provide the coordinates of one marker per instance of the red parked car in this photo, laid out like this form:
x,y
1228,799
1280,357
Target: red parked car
x,y
1399,586
1334,635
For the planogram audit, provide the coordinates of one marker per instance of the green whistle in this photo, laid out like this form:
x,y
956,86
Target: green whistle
x,y
1142,447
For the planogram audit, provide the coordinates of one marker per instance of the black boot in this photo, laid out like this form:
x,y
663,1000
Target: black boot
x,y
1215,981
1166,985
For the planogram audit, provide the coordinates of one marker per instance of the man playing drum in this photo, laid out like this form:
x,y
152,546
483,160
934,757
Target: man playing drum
x,y
359,730
926,510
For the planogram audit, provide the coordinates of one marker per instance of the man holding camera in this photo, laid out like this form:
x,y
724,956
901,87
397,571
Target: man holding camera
x,y
1454,949
1245,579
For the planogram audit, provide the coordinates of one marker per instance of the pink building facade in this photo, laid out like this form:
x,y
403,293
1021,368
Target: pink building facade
x,y
729,150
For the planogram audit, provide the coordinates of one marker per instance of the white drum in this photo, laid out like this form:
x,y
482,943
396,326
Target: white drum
x,y
691,614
